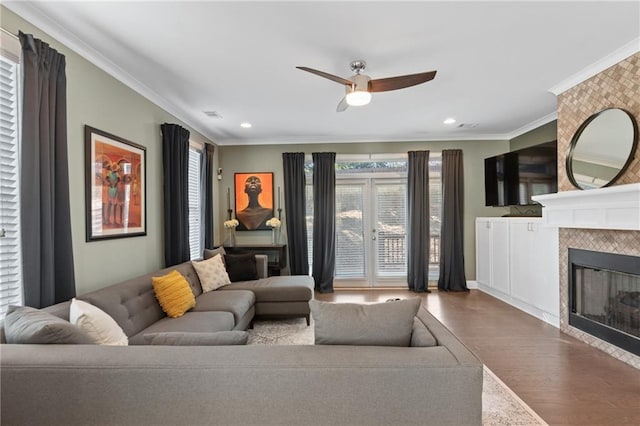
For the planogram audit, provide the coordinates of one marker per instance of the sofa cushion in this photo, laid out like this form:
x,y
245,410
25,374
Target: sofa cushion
x,y
191,322
218,338
209,253
241,267
173,294
212,273
238,302
292,288
96,323
421,336
25,325
380,324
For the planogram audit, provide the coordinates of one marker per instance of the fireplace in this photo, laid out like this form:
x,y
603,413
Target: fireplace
x,y
604,297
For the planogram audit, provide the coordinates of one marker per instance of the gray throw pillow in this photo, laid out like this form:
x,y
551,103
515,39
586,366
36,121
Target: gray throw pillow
x,y
209,253
421,336
218,338
25,325
380,324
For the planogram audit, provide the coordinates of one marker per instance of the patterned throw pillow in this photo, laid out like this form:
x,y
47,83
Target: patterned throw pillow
x,y
173,293
212,273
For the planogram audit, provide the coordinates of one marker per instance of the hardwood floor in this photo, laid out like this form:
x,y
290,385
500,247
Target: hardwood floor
x,y
565,381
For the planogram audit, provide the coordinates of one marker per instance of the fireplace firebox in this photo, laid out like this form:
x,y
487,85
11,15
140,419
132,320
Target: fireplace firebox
x,y
604,297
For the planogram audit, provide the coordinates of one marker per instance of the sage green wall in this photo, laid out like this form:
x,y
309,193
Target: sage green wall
x,y
269,158
99,100
545,133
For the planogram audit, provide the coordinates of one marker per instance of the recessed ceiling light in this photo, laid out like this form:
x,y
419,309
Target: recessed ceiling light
x,y
245,125
449,121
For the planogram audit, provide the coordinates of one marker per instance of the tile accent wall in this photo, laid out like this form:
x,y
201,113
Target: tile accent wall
x,y
615,87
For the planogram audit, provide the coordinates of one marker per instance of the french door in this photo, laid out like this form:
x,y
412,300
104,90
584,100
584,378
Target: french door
x,y
371,247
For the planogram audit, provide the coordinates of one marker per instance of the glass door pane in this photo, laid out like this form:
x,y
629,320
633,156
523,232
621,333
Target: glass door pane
x,y
390,219
350,230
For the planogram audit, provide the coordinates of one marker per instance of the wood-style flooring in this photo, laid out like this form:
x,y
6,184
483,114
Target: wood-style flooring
x,y
565,381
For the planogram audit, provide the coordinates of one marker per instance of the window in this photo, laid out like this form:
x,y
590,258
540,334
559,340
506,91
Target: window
x,y
10,255
371,206
195,202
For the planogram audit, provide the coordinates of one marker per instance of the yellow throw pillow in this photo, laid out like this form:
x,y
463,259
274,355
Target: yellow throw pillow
x,y
173,293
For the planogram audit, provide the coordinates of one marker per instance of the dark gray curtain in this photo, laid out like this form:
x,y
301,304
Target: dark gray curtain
x,y
47,252
452,276
295,210
324,220
418,235
175,166
207,195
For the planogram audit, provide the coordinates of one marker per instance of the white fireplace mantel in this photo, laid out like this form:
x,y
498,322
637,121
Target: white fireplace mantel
x,y
614,207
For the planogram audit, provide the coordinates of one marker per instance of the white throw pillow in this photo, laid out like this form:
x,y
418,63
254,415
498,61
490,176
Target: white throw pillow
x,y
96,323
212,273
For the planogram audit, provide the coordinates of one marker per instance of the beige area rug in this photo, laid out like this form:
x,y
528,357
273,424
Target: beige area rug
x,y
500,405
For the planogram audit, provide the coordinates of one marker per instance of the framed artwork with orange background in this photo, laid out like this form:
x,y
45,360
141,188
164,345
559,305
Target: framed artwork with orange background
x,y
115,188
253,200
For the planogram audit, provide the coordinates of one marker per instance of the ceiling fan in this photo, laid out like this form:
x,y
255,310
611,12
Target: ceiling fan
x,y
359,86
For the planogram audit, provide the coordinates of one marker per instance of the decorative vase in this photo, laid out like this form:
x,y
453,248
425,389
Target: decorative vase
x,y
275,236
231,241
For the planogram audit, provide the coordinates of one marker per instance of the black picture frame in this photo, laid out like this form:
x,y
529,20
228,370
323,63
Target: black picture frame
x,y
115,186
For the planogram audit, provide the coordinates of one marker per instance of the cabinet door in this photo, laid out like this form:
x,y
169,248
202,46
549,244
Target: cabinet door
x,y
522,282
544,269
500,256
483,252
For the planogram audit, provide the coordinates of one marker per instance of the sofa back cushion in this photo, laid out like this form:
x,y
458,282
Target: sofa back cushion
x,y
379,324
133,304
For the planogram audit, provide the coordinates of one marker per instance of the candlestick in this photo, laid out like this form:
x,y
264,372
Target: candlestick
x,y
279,198
228,198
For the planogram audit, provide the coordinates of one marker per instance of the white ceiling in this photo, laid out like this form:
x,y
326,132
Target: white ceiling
x,y
496,61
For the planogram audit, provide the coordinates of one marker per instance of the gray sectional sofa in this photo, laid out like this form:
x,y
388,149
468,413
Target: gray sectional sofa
x,y
234,385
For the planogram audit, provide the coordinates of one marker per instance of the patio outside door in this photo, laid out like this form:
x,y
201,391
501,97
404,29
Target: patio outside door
x,y
371,249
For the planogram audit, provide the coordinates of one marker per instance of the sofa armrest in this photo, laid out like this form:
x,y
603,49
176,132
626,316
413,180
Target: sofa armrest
x,y
261,265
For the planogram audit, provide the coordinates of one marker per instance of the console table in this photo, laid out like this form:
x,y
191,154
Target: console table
x,y
276,254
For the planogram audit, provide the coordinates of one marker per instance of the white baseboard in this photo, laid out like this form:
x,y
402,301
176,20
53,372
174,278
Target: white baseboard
x,y
531,310
472,285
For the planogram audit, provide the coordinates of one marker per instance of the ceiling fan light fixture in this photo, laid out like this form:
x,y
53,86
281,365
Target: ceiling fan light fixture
x,y
358,98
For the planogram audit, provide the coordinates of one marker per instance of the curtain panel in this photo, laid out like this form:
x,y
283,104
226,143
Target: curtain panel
x,y
324,220
418,232
295,211
452,277
207,196
175,165
47,252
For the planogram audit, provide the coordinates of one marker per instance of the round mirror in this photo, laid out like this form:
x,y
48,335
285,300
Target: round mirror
x,y
602,148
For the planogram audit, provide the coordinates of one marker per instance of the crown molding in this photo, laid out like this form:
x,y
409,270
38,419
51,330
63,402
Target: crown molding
x,y
362,139
533,125
29,12
611,59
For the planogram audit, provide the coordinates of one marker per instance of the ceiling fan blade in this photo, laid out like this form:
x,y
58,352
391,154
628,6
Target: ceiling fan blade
x,y
400,82
327,75
342,105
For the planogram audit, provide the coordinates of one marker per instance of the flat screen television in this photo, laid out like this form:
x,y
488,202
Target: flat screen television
x,y
511,179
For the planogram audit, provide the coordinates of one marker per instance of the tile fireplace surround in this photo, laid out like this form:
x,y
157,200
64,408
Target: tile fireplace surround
x,y
615,87
592,220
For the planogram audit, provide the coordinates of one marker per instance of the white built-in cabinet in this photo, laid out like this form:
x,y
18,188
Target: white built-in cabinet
x,y
517,262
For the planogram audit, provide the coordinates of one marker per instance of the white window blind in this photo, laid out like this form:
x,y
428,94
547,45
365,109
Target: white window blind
x,y
10,256
349,230
195,203
391,206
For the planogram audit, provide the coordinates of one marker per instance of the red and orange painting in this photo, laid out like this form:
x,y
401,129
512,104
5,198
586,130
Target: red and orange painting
x,y
116,190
